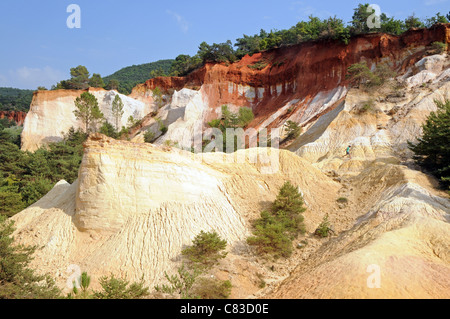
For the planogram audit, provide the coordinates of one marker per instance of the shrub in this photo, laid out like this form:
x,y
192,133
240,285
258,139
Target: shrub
x,y
245,116
206,250
258,65
181,284
366,107
149,137
275,229
432,150
293,130
342,200
439,47
84,293
208,288
359,74
214,123
109,130
17,281
118,288
324,228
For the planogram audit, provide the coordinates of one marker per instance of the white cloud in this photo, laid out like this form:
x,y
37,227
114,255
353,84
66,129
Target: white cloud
x,y
183,24
31,78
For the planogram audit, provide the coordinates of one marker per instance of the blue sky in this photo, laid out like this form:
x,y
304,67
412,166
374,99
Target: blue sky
x,y
39,49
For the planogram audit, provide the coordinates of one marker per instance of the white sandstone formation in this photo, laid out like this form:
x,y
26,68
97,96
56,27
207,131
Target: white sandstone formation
x,y
51,114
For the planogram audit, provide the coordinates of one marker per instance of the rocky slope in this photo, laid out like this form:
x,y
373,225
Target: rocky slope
x,y
300,82
51,114
135,205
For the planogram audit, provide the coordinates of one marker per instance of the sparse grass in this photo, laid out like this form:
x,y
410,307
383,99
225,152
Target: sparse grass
x,y
439,47
260,65
324,228
366,107
209,288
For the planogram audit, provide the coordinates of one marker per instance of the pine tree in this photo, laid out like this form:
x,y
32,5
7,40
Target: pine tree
x,y
117,110
17,281
432,151
87,110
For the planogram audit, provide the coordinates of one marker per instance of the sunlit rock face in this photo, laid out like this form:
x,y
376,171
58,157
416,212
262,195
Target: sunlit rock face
x,y
51,114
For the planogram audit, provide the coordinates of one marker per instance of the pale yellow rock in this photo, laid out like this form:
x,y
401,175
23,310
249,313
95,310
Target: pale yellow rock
x,y
135,206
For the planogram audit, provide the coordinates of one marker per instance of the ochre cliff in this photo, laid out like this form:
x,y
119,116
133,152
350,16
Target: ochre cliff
x,y
136,205
298,74
16,116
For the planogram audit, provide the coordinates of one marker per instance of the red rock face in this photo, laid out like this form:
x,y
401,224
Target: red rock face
x,y
16,116
299,71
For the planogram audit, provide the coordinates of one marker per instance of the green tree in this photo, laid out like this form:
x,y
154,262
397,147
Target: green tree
x,y
158,97
438,18
109,130
392,25
117,110
79,78
413,22
17,281
185,64
432,151
359,19
293,130
87,110
96,81
275,229
247,45
206,250
245,116
113,85
222,52
359,74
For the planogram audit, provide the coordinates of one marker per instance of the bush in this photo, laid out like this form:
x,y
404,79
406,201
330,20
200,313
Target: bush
x,y
293,130
118,288
245,116
275,229
359,74
258,65
366,107
109,130
149,137
439,47
181,284
432,151
324,228
206,250
208,288
17,281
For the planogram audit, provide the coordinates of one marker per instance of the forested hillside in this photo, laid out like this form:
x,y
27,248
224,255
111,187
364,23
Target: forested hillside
x,y
15,99
129,77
